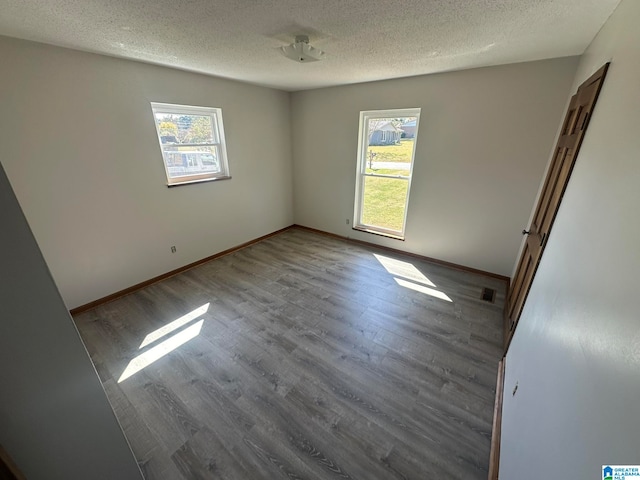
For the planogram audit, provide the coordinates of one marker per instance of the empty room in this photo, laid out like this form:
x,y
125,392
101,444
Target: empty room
x,y
316,240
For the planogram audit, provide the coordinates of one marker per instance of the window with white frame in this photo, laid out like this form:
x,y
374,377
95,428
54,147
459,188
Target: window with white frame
x,y
192,143
385,166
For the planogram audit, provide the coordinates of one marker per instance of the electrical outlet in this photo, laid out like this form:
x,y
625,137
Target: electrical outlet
x,y
347,221
173,249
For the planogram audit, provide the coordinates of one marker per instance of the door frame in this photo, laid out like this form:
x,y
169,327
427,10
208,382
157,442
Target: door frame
x,y
509,328
574,127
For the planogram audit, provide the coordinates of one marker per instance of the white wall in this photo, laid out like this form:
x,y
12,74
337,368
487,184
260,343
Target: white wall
x,y
576,352
55,420
80,149
485,137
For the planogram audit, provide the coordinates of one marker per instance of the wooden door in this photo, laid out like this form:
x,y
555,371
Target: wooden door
x,y
8,469
573,129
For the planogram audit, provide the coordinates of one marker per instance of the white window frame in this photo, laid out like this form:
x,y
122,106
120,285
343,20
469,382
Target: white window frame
x,y
218,142
363,140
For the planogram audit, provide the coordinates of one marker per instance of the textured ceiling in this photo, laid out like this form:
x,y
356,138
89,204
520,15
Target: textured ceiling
x,y
364,40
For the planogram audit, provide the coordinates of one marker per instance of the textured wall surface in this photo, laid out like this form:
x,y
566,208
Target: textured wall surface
x,y
80,148
55,421
485,137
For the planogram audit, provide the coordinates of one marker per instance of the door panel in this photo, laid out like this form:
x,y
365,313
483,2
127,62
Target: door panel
x,y
574,127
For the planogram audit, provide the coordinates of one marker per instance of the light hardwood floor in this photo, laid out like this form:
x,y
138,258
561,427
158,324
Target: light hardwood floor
x,y
312,361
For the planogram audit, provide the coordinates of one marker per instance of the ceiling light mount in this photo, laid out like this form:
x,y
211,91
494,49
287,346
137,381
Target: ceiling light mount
x,y
301,52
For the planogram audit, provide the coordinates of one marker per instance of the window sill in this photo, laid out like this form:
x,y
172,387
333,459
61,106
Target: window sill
x,y
378,232
202,180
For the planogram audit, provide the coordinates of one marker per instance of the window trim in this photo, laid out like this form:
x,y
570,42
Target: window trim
x,y
218,144
361,168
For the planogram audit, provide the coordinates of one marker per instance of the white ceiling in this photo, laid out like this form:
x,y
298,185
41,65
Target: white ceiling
x,y
364,40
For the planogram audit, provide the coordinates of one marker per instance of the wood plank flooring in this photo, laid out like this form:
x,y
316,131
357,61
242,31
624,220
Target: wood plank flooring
x,y
312,361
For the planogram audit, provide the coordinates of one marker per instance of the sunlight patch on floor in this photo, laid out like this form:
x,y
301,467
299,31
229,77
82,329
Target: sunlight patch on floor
x,y
156,353
423,289
176,324
410,277
403,269
170,344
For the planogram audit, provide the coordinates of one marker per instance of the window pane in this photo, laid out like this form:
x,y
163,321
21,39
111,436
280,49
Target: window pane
x,y
177,129
389,149
192,143
384,202
386,150
182,161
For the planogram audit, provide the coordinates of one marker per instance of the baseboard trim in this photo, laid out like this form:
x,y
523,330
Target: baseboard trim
x,y
164,276
496,431
410,254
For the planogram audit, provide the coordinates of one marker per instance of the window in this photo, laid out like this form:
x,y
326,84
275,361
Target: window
x,y
192,143
385,165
